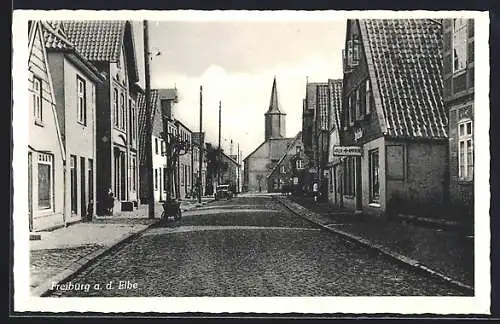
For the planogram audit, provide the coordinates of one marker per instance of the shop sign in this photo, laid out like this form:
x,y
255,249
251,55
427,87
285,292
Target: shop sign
x,y
347,151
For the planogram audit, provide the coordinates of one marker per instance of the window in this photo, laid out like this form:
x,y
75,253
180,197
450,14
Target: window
x,y
298,149
352,103
299,164
368,97
164,179
131,120
37,100
183,173
74,188
349,177
156,179
459,44
282,169
358,105
331,179
91,179
156,146
465,151
45,181
115,106
81,103
374,176
123,115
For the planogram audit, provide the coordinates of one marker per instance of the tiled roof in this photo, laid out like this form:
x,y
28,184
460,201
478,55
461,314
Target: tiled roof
x,y
335,89
98,40
290,147
142,121
404,57
54,36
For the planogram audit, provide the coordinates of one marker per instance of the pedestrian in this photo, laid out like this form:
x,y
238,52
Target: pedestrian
x,y
315,191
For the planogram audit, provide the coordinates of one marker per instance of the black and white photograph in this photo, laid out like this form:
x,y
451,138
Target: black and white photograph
x,y
269,162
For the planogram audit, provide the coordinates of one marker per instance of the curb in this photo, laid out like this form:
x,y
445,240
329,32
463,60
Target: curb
x,y
416,265
44,289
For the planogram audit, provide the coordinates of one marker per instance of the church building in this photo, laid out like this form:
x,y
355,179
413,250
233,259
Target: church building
x,y
260,163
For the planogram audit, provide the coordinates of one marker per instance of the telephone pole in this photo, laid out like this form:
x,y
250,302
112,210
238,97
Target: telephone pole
x,y
149,148
219,153
201,142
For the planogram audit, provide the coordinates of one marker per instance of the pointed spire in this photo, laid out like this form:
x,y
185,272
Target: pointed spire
x,y
274,104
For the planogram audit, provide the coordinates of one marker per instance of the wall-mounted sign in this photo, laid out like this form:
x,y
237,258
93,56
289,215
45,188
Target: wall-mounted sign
x,y
347,151
358,133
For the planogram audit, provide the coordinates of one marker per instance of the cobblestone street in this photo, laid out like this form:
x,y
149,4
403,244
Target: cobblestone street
x,y
247,246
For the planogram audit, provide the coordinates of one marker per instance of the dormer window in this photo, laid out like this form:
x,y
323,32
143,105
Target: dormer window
x,y
352,54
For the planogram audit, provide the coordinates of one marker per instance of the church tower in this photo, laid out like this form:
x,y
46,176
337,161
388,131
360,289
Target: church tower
x,y
275,117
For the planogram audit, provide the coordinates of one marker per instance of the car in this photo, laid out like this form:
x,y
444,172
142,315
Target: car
x,y
223,191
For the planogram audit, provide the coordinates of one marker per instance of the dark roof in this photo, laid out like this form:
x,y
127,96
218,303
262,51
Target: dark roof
x,y
405,63
290,146
311,92
55,39
142,121
102,41
335,89
274,106
276,145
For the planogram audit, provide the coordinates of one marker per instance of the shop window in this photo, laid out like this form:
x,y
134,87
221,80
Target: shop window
x,y
374,176
459,44
349,184
45,181
465,151
81,100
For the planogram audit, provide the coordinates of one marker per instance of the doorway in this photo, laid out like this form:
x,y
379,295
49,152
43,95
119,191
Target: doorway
x,y
358,187
83,198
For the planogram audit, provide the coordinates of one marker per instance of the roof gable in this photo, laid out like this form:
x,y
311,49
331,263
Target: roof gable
x,y
142,121
335,91
290,148
404,63
102,41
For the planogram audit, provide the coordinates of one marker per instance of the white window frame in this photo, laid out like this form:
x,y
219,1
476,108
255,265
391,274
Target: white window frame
x,y
299,164
37,100
46,159
81,101
123,111
459,39
368,96
464,162
282,169
116,111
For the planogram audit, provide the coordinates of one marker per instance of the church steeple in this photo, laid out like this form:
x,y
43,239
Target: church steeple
x,y
275,117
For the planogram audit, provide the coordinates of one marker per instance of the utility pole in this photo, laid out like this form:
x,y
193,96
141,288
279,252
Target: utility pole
x,y
219,153
149,147
201,141
239,170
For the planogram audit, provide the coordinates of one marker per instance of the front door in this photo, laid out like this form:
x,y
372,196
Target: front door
x,y
359,191
83,195
123,177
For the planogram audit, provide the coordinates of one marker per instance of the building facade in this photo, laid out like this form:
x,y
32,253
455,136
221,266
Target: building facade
x,y
288,175
458,80
229,171
334,163
184,171
393,114
109,45
259,163
46,154
75,81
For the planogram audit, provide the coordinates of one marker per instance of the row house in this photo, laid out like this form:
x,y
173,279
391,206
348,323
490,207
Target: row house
x,y
229,171
393,115
199,151
290,172
75,82
184,171
314,132
458,95
46,153
160,119
334,163
109,45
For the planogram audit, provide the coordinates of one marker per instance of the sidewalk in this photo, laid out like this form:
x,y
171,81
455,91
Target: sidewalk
x,y
444,254
61,253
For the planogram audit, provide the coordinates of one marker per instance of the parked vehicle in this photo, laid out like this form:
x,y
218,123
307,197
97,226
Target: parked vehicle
x,y
223,192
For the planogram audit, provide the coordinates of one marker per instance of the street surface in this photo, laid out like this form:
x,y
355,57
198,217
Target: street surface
x,y
248,246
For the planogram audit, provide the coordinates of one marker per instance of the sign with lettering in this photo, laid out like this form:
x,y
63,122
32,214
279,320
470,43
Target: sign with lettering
x,y
347,151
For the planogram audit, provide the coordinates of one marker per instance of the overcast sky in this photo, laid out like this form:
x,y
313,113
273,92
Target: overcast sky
x,y
235,62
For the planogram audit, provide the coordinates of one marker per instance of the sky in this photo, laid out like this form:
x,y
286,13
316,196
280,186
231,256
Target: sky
x,y
235,62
